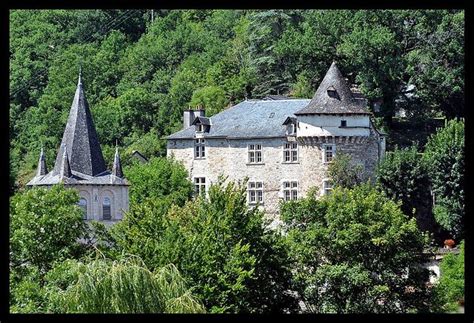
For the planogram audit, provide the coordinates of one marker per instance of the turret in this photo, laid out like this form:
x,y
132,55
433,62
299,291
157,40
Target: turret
x,y
42,169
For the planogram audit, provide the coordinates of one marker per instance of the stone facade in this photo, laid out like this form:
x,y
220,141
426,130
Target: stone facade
x,y
95,195
227,157
336,120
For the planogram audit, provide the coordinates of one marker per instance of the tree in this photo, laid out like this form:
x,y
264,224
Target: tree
x,y
159,178
211,98
435,62
45,225
123,286
444,159
449,291
344,173
356,252
402,176
219,245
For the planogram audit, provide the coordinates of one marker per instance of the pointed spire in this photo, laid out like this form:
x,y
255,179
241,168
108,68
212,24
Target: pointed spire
x,y
334,95
117,168
79,81
65,171
42,169
80,138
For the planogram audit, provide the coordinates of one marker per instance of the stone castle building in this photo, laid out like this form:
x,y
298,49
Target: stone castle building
x,y
80,164
283,146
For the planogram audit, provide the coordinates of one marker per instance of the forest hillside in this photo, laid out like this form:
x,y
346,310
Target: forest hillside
x,y
141,68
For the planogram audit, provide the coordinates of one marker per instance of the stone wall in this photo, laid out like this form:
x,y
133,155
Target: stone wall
x,y
95,194
229,157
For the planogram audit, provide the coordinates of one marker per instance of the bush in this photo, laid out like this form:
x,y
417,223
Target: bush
x,y
449,292
356,252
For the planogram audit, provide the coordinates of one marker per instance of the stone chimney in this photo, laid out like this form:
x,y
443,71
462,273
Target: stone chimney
x,y
189,115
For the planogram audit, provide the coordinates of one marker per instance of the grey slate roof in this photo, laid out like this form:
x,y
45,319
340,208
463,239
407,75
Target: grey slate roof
x,y
259,118
77,178
276,97
80,138
79,160
346,102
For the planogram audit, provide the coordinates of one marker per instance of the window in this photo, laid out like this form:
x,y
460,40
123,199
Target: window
x,y
199,148
199,128
200,185
106,214
327,187
291,129
255,192
83,206
290,152
290,190
329,151
255,153
343,123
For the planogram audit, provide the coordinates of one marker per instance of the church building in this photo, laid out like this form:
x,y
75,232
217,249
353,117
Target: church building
x,y
80,165
283,146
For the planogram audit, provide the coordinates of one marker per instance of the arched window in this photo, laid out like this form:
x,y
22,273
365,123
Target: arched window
x,y
83,206
106,214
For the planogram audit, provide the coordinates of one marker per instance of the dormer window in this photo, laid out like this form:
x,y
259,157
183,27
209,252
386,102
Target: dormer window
x,y
332,93
202,124
291,126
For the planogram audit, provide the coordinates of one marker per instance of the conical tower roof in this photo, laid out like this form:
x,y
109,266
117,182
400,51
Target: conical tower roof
x,y
334,96
80,139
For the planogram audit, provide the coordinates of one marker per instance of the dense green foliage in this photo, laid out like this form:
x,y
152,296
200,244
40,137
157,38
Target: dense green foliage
x,y
356,252
124,286
449,291
444,158
44,228
159,178
351,251
403,176
344,173
51,269
219,244
139,75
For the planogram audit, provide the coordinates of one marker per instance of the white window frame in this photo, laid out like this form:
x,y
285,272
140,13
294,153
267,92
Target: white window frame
x,y
290,190
199,186
199,148
325,151
255,193
199,127
254,153
327,187
290,152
